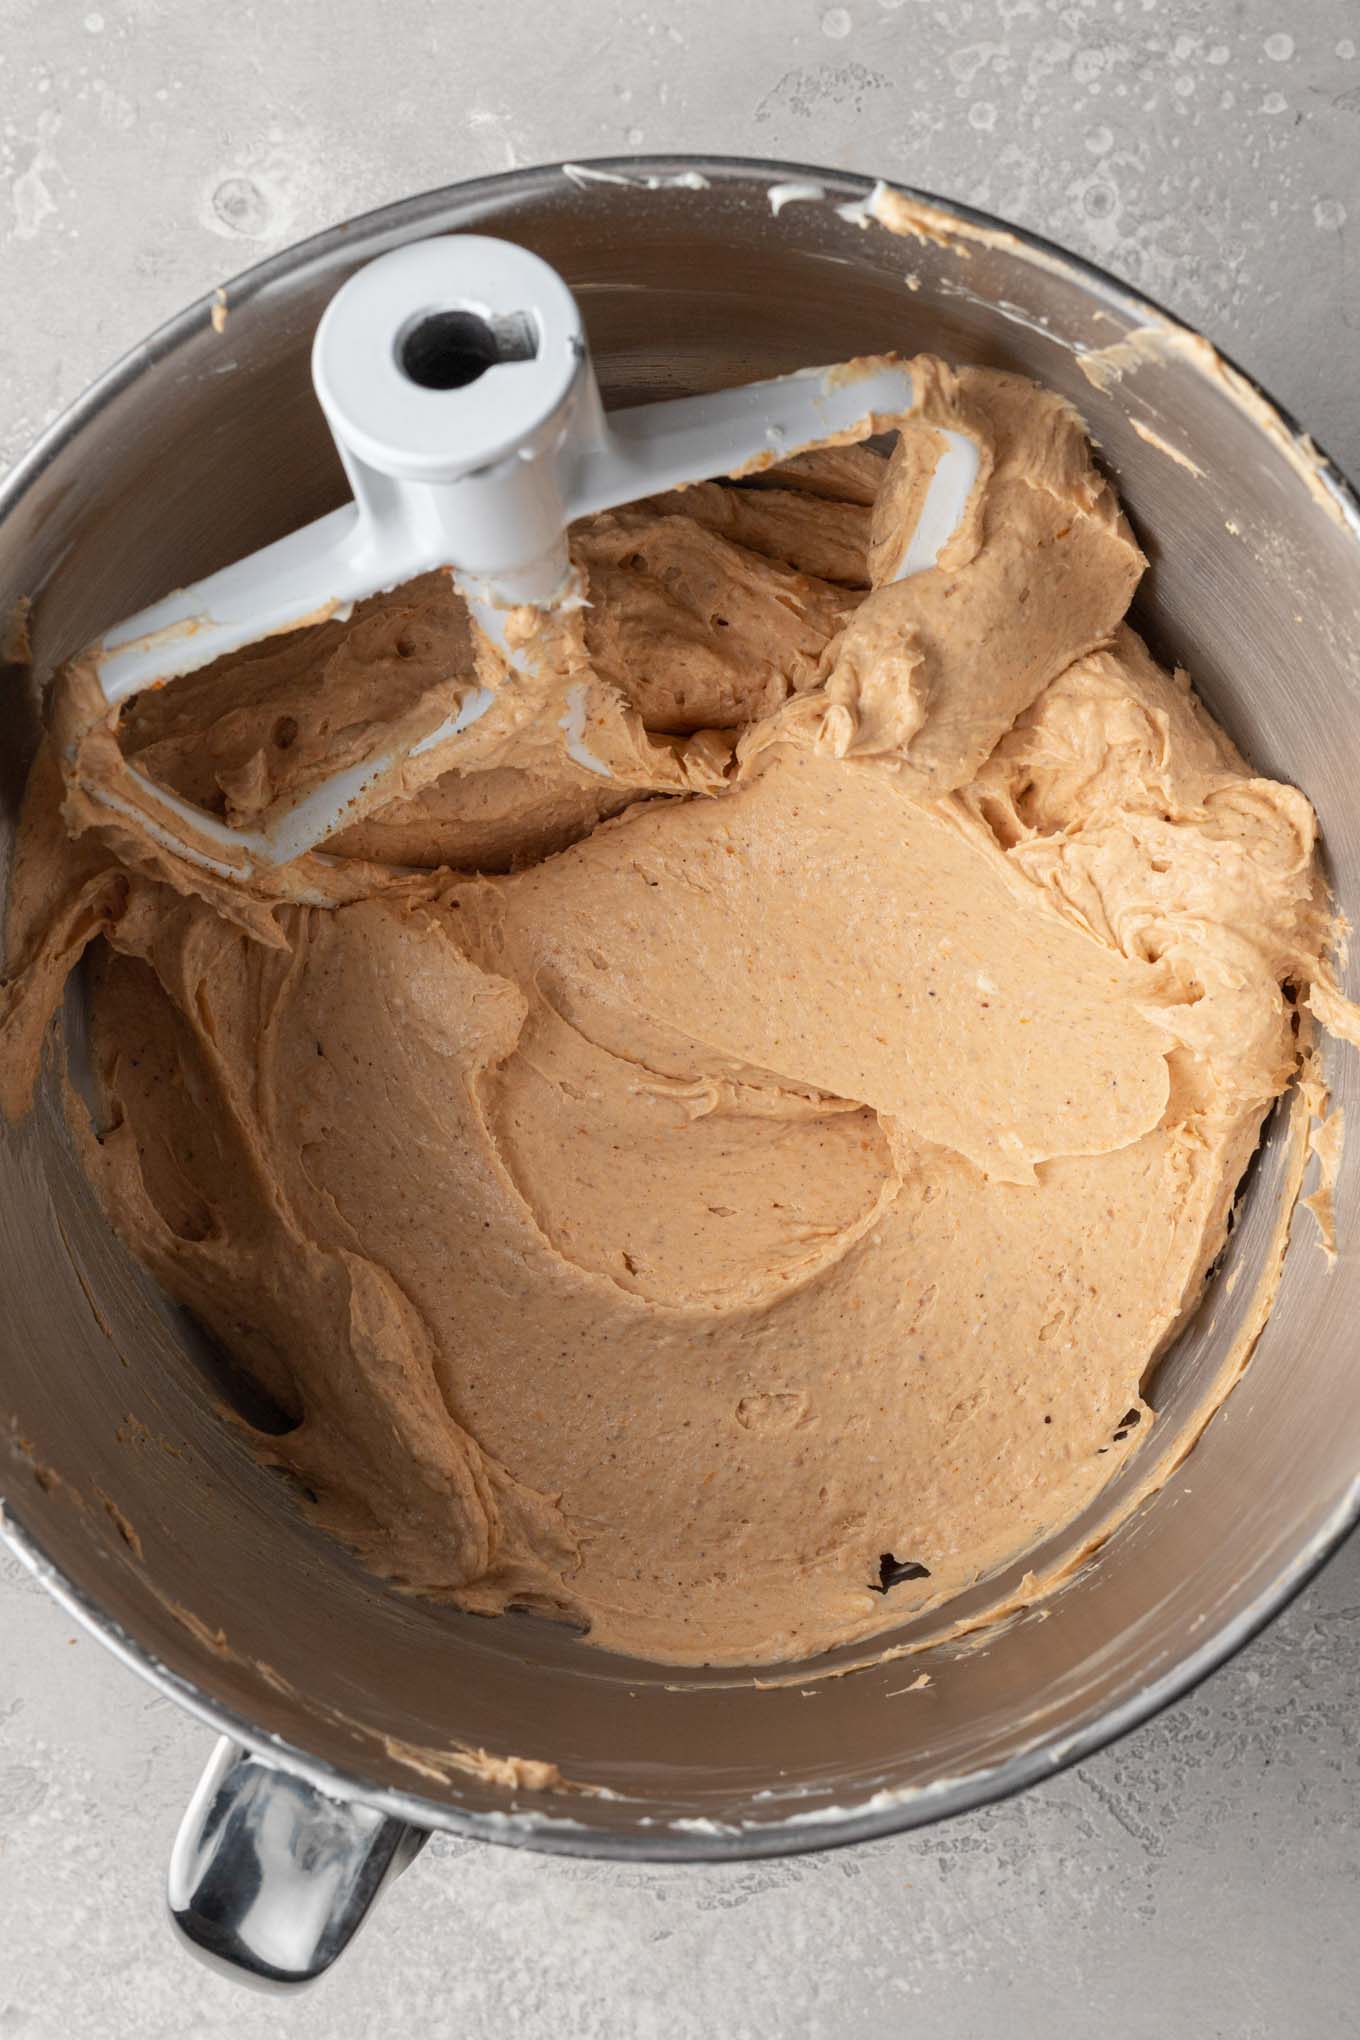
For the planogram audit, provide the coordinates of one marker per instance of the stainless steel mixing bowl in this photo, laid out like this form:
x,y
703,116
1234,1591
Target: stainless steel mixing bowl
x,y
146,1513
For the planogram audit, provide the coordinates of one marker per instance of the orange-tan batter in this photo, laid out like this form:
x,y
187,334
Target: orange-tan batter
x,y
744,1135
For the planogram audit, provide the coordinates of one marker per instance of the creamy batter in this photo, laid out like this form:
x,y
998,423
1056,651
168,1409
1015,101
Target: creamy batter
x,y
720,1164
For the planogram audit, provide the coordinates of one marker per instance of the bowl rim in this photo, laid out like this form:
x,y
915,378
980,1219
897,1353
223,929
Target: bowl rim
x,y
534,1828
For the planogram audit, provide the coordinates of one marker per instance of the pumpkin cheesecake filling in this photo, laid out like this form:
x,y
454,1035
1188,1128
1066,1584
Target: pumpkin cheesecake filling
x,y
721,1164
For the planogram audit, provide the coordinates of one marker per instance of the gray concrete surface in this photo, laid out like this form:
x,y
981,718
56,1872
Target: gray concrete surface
x,y
1200,1880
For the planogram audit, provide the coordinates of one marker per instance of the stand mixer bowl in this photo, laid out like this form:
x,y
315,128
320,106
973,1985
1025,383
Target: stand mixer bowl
x,y
360,1718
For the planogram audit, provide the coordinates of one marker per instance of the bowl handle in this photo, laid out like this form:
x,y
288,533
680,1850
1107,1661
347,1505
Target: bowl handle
x,y
269,1878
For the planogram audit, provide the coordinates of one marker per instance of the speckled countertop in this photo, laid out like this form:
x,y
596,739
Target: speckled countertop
x,y
1201,1879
